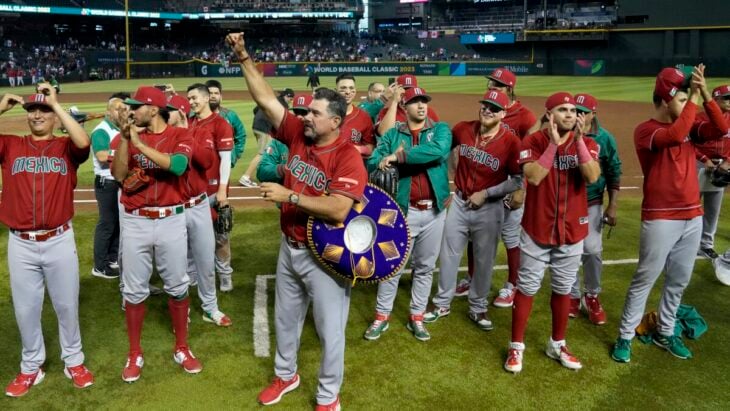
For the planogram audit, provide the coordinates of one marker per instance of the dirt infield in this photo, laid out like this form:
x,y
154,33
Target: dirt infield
x,y
620,118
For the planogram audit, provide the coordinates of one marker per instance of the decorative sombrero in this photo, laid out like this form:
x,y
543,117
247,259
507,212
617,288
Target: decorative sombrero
x,y
370,246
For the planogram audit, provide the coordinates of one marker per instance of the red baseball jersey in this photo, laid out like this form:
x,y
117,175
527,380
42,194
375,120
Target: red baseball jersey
x,y
483,163
39,177
519,119
556,210
314,171
222,133
164,188
195,179
358,126
712,149
400,114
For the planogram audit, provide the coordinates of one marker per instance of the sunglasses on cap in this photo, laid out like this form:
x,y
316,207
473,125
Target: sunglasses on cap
x,y
496,84
726,98
300,111
40,107
490,108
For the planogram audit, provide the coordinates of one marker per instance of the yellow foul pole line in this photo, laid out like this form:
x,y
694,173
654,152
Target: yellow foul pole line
x,y
126,33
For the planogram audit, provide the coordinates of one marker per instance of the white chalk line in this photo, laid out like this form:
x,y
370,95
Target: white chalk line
x,y
261,344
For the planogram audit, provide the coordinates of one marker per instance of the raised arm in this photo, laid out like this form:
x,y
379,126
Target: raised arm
x,y
260,90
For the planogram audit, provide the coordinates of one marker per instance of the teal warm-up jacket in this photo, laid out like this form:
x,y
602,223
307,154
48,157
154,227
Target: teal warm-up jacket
x,y
610,165
431,153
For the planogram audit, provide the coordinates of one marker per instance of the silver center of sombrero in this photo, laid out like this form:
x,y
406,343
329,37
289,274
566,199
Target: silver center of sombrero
x,y
360,234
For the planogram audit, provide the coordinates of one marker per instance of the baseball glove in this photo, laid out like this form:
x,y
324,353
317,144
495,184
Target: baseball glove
x,y
720,177
386,179
224,223
135,181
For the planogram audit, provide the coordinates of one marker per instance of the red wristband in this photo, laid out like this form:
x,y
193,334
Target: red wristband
x,y
584,156
547,158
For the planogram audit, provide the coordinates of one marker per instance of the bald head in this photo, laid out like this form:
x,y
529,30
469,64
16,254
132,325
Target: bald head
x,y
116,110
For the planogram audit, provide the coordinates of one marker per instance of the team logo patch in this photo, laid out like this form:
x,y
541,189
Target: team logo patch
x,y
524,154
583,220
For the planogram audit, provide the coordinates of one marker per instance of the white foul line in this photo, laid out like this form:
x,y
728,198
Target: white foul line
x,y
261,343
261,317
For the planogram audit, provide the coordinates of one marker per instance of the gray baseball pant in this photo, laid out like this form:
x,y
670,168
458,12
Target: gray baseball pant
x,y
483,227
592,255
160,239
669,245
55,263
201,253
427,228
299,280
564,262
712,203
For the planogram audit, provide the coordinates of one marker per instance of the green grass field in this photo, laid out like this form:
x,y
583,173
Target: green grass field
x,y
460,368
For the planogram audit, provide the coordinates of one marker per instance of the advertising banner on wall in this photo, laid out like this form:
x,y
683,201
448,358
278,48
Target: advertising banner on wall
x,y
589,68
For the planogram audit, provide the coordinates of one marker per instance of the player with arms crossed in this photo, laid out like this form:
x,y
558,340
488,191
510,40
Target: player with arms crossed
x,y
324,177
557,163
39,176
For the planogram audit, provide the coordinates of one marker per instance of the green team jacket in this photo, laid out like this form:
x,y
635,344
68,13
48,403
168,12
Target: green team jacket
x,y
431,152
610,164
372,108
239,133
273,161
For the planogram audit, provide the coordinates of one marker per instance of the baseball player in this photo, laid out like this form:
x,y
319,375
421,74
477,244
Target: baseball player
x,y
215,90
712,154
420,149
39,176
671,213
149,164
324,177
374,102
593,244
272,167
201,237
487,170
262,129
218,174
522,122
358,125
384,122
557,163
106,190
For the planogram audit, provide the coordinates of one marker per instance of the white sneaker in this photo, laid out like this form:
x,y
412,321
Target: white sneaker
x,y
557,350
514,357
217,318
247,182
226,283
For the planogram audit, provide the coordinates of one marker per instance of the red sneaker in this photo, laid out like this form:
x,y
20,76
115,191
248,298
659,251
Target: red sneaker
x,y
133,369
574,309
506,297
462,289
22,383
595,311
333,406
187,360
514,358
80,375
273,393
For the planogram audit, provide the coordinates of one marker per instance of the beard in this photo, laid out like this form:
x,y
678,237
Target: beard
x,y
214,106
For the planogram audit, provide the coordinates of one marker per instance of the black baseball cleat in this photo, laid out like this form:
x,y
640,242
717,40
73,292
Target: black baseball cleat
x,y
708,252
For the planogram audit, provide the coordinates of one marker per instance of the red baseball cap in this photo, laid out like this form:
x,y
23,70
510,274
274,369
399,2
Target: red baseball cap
x,y
147,95
301,102
495,98
668,82
586,103
179,103
407,81
721,91
559,99
504,76
413,93
35,100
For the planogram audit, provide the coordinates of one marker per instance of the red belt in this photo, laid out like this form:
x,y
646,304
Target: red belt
x,y
158,212
196,200
422,204
295,244
42,235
